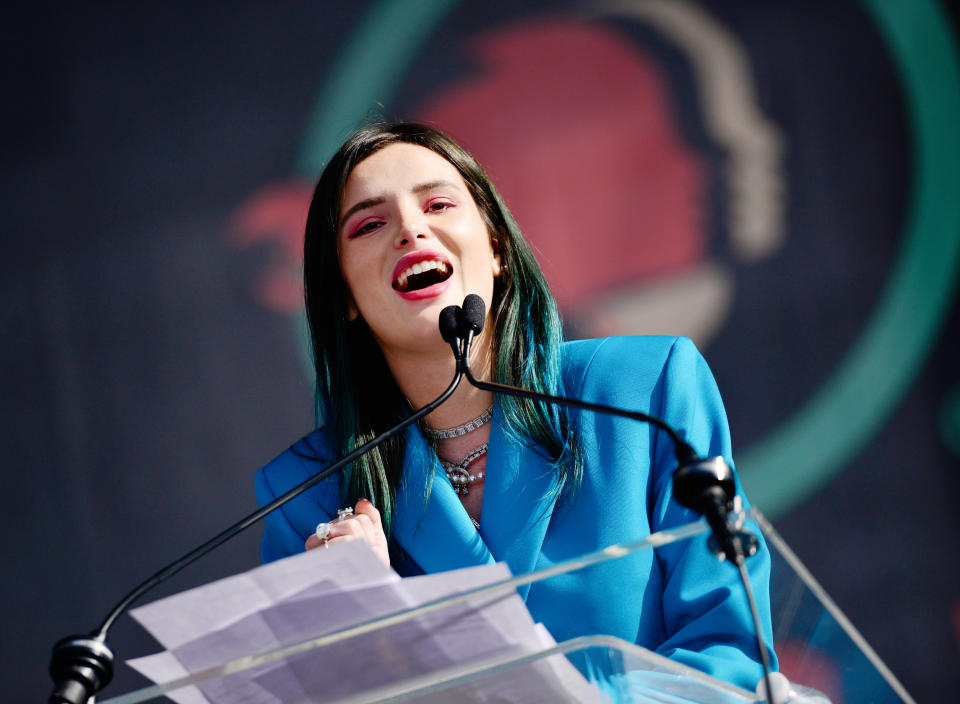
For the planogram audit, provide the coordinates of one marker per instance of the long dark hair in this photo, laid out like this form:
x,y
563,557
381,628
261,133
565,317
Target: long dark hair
x,y
357,397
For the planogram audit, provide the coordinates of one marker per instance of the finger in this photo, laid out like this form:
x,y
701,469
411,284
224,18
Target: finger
x,y
365,508
365,527
355,525
325,531
364,523
379,548
344,539
313,542
368,513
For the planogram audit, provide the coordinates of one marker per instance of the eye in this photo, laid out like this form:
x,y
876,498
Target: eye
x,y
438,205
365,227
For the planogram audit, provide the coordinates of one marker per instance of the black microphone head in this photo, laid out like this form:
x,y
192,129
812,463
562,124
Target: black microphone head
x,y
691,482
473,314
449,317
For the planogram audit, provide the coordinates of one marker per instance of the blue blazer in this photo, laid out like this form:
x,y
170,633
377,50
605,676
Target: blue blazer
x,y
679,600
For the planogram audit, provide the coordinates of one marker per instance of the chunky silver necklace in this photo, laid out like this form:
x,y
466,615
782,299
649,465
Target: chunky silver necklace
x,y
459,475
467,427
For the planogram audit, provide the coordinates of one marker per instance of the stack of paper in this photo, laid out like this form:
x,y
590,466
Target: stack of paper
x,y
324,591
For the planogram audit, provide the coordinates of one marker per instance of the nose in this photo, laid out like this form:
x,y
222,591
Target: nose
x,y
412,227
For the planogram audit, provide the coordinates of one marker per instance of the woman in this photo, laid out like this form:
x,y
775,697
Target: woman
x,y
403,223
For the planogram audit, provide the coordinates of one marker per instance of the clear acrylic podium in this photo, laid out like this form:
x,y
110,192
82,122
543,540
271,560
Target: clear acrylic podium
x,y
820,652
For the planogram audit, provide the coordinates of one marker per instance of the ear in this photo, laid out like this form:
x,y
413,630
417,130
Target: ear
x,y
352,312
496,262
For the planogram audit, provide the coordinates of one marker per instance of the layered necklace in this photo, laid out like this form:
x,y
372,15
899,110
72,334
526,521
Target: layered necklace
x,y
459,472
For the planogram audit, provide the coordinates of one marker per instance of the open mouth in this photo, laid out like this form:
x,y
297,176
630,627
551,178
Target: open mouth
x,y
421,275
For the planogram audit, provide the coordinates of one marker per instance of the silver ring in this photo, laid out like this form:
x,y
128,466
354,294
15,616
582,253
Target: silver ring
x,y
323,529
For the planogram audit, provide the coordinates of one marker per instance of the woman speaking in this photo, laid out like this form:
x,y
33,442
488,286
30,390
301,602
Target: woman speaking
x,y
403,223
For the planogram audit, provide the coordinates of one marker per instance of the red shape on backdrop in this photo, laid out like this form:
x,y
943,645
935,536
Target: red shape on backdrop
x,y
276,215
802,664
574,126
956,620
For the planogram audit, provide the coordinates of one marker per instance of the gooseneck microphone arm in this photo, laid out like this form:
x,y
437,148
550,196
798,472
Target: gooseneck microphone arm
x,y
82,665
471,319
254,517
705,485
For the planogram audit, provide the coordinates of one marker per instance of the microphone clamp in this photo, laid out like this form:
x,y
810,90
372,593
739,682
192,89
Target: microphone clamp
x,y
80,666
707,486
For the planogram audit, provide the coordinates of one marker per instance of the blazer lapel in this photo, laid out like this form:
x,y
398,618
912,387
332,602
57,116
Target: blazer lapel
x,y
438,534
518,501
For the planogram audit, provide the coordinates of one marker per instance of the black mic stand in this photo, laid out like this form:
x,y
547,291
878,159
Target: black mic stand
x,y
82,665
705,485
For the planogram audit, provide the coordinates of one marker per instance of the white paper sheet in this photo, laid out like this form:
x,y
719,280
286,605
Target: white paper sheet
x,y
186,616
302,597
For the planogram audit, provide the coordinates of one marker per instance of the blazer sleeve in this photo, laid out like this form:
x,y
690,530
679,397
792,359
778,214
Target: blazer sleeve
x,y
705,610
288,527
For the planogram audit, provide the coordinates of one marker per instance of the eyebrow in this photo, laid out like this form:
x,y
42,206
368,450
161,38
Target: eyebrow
x,y
379,200
368,203
434,184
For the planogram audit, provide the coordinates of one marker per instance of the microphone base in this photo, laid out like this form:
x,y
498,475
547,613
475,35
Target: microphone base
x,y
80,667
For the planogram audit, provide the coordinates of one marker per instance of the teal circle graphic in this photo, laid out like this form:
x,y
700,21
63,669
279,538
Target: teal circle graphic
x,y
950,421
828,431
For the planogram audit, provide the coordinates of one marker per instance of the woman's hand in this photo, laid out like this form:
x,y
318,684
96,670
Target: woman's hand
x,y
364,523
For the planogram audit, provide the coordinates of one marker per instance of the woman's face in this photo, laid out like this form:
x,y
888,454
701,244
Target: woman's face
x,y
411,241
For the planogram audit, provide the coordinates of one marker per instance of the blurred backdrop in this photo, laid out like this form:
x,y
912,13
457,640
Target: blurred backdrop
x,y
776,180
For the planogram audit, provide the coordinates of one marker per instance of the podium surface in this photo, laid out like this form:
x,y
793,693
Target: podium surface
x,y
426,654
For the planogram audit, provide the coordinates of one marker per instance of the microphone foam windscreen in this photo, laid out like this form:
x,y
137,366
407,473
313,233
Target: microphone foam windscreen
x,y
474,313
448,323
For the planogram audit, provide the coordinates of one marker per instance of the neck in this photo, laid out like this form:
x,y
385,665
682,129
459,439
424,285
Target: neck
x,y
423,376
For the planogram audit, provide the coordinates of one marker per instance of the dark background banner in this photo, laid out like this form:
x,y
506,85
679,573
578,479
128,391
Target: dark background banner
x,y
776,180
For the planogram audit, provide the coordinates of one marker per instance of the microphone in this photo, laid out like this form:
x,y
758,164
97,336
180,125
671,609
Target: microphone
x,y
703,484
82,665
449,324
473,314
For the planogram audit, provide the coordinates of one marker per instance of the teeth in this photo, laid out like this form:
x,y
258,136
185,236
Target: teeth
x,y
419,268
